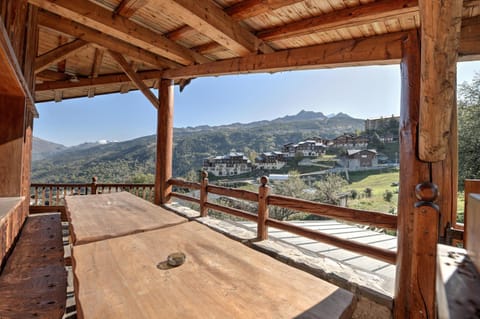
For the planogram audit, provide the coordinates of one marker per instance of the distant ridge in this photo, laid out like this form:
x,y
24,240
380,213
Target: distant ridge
x,y
122,161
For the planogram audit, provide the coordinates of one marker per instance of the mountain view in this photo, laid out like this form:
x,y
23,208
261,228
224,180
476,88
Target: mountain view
x,y
125,161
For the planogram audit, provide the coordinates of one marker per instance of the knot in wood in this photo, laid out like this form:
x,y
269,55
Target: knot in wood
x,y
204,174
426,192
264,180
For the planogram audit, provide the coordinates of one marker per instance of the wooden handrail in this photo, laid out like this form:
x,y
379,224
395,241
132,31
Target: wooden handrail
x,y
185,197
348,214
232,211
182,183
386,255
231,192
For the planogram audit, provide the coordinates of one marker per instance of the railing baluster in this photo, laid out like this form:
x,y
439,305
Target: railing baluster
x,y
263,190
36,195
203,194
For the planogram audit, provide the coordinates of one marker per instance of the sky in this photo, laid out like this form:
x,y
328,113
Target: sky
x,y
361,92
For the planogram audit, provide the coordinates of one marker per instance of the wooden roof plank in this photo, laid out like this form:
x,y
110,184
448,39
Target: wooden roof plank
x,y
134,77
60,53
87,34
349,17
207,18
98,18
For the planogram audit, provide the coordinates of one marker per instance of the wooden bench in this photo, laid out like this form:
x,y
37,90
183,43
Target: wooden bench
x,y
33,281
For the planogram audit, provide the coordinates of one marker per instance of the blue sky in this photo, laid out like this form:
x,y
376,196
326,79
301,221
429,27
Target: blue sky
x,y
362,92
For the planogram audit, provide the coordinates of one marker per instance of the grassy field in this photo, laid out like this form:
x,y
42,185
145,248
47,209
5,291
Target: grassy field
x,y
379,183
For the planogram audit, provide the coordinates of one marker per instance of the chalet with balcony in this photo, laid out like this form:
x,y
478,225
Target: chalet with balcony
x,y
270,160
311,148
169,266
357,159
350,141
228,165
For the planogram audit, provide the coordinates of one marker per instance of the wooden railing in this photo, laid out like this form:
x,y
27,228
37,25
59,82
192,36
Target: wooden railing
x,y
264,200
53,195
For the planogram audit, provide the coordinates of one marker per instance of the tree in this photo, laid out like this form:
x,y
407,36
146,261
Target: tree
x,y
468,130
293,187
328,189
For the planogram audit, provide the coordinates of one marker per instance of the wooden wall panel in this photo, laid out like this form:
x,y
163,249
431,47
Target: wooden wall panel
x,y
12,111
473,240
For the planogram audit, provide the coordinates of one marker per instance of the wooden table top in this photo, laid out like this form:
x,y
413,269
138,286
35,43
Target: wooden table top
x,y
221,278
98,217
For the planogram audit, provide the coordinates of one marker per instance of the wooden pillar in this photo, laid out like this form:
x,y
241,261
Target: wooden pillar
x,y
164,142
412,172
424,256
440,25
263,190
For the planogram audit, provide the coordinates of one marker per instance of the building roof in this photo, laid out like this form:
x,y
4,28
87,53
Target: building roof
x,y
89,48
353,152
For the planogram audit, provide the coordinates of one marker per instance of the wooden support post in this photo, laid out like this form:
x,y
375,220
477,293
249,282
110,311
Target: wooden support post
x,y
440,25
412,172
424,257
164,142
203,194
94,185
263,190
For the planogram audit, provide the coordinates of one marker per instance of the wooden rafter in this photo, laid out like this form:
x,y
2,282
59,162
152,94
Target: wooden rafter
x,y
252,8
77,30
127,8
98,18
440,25
207,18
350,17
58,54
51,76
239,11
126,67
97,62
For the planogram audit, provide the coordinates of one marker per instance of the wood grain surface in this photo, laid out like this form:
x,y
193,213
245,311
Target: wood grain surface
x,y
33,283
221,278
98,217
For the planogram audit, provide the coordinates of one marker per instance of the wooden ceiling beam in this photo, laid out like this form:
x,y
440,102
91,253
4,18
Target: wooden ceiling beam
x,y
63,83
101,19
127,8
349,17
49,75
97,62
252,8
126,67
58,54
384,49
87,34
207,18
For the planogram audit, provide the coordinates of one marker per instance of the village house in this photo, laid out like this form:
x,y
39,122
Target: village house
x,y
234,163
304,148
350,141
270,160
355,159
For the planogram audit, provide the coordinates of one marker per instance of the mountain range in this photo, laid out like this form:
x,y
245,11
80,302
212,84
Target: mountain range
x,y
125,161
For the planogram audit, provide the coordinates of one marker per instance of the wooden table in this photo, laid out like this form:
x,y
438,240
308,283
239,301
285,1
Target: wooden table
x,y
221,278
98,217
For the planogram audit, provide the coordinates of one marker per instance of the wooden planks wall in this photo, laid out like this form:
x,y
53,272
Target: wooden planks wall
x,y
473,240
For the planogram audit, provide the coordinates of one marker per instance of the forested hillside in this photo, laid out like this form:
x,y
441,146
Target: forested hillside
x,y
134,160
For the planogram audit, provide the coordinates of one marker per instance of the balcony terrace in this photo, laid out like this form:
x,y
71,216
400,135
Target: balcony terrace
x,y
51,50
